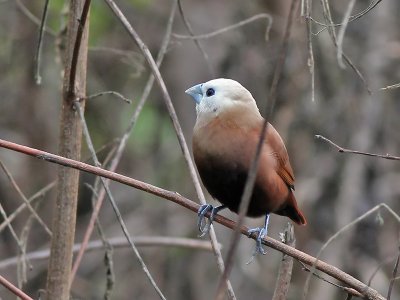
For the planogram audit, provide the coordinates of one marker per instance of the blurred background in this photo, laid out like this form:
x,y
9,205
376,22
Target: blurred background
x,y
332,189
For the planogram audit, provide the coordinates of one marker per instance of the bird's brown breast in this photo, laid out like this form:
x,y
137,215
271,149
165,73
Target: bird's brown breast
x,y
223,152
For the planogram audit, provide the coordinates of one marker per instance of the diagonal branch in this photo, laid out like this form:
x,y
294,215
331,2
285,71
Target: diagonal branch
x,y
309,260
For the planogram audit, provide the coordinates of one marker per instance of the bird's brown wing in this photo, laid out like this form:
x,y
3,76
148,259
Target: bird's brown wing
x,y
283,168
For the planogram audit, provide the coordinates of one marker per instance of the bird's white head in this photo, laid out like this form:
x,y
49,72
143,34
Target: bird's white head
x,y
221,95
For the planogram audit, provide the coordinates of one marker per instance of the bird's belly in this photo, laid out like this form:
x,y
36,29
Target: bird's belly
x,y
225,181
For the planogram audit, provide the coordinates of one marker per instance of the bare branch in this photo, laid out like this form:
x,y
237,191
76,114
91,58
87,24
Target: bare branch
x,y
342,31
121,242
396,266
16,212
229,28
116,94
24,199
32,17
391,87
12,288
344,150
77,46
285,270
344,229
332,271
38,55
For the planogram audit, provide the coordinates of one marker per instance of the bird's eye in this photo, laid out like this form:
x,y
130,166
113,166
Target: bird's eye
x,y
210,92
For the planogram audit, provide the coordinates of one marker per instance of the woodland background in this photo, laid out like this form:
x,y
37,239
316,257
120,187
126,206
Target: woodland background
x,y
332,188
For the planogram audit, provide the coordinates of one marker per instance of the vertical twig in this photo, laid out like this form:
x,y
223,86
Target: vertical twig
x,y
394,274
310,62
342,30
38,56
64,214
285,270
251,178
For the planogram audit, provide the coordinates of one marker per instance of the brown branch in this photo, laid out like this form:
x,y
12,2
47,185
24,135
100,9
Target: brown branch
x,y
332,271
65,206
13,289
345,150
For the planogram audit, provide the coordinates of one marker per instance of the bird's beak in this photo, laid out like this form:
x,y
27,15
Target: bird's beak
x,y
195,92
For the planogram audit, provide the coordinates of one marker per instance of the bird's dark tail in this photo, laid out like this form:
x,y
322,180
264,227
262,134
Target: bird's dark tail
x,y
293,212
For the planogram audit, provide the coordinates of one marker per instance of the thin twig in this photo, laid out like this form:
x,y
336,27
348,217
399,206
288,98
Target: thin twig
x,y
109,250
121,243
20,208
114,204
171,110
24,199
252,174
229,28
352,18
396,266
344,150
332,33
341,33
391,87
77,46
344,229
306,12
116,94
380,265
38,56
13,289
33,18
332,271
348,290
196,41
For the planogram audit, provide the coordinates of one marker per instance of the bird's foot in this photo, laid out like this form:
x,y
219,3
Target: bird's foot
x,y
262,232
202,224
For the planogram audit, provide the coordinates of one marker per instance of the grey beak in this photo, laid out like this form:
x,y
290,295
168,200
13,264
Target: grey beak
x,y
195,92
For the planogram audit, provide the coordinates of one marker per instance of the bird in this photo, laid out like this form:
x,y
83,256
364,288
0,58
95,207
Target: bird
x,y
225,137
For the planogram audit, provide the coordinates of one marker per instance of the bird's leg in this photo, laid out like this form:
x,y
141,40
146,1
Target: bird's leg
x,y
262,232
203,226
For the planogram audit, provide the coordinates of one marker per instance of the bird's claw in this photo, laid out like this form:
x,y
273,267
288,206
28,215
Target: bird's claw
x,y
202,224
262,232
